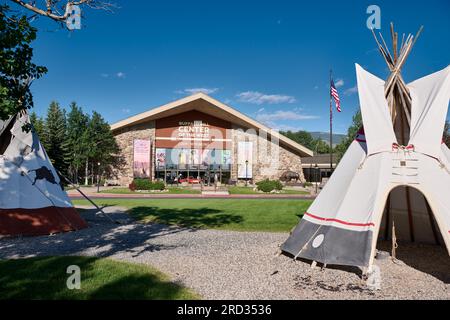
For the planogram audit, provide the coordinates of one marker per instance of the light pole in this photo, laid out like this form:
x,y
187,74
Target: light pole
x,y
316,167
192,159
165,174
98,177
246,173
178,168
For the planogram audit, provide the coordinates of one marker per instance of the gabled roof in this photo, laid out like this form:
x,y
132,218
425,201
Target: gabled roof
x,y
208,105
319,159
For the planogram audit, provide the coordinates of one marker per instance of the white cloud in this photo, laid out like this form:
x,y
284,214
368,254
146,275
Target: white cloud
x,y
261,109
120,75
126,110
351,91
281,115
339,83
197,90
260,98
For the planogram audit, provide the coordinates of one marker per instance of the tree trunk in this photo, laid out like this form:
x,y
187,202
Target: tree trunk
x,y
86,173
76,174
92,174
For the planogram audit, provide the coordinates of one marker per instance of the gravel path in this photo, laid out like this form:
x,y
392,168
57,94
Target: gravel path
x,y
240,265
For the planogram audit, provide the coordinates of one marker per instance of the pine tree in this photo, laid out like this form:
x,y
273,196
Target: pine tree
x,y
39,127
76,153
54,136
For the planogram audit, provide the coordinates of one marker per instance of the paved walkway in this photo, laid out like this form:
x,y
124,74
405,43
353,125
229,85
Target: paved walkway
x,y
239,265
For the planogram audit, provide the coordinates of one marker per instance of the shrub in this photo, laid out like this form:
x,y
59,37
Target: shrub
x,y
278,185
146,184
269,185
159,185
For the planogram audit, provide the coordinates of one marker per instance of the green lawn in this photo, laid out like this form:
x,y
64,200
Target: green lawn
x,y
249,190
187,190
45,278
175,190
241,190
272,215
172,190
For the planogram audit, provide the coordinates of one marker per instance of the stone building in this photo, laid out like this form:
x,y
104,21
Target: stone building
x,y
200,138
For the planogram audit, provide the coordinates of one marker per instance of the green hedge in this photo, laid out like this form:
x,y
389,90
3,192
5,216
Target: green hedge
x,y
269,185
146,184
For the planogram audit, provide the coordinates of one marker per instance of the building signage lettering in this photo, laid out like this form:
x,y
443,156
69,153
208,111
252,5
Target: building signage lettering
x,y
193,130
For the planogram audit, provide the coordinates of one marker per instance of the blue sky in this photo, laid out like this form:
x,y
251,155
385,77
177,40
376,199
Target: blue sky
x,y
268,59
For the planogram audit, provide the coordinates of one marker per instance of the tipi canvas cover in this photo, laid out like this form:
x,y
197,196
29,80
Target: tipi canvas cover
x,y
380,182
32,201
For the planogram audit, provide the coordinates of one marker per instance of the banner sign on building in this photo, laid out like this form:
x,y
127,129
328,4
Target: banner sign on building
x,y
196,156
205,158
226,157
245,160
160,158
141,159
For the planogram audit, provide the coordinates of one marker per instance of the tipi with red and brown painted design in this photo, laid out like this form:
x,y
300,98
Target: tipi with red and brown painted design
x,y
32,200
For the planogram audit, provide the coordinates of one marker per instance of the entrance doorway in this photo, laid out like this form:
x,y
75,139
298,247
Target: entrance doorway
x,y
194,175
408,212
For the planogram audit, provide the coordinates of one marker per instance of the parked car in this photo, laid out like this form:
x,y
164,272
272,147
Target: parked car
x,y
190,180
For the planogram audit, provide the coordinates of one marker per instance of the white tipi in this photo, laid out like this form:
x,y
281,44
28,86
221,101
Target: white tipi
x,y
32,201
397,171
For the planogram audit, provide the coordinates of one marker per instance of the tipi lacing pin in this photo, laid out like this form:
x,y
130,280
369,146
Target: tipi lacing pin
x,y
398,147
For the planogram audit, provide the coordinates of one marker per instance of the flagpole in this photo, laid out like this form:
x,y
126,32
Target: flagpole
x,y
331,126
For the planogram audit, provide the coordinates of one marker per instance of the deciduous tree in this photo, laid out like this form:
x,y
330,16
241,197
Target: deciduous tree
x,y
59,10
103,155
302,137
351,134
17,70
306,139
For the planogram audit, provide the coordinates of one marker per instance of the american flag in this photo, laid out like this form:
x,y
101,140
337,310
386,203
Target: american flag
x,y
335,95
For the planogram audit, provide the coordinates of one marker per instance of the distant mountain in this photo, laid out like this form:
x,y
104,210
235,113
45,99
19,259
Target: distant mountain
x,y
325,136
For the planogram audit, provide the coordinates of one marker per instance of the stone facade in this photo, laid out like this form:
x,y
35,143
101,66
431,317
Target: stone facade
x,y
125,138
270,159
